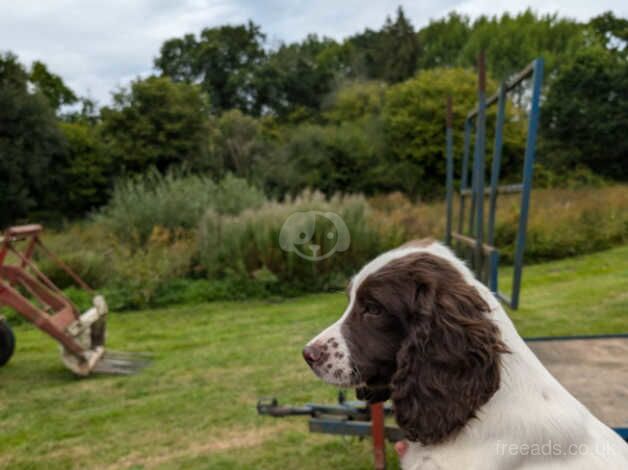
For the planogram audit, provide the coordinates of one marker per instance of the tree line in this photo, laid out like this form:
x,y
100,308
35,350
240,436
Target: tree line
x,y
364,114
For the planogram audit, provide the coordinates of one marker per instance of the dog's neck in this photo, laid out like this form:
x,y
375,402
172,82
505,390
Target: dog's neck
x,y
529,398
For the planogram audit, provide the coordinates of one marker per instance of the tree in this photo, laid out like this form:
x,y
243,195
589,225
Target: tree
x,y
222,60
511,42
30,141
442,40
585,115
331,159
51,86
295,78
237,145
414,127
157,122
178,59
355,101
612,32
389,54
85,171
399,49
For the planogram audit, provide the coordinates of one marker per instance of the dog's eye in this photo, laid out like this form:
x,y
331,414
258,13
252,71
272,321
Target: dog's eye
x,y
372,309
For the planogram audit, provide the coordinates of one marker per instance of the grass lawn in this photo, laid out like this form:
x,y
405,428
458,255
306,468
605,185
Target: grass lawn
x,y
194,407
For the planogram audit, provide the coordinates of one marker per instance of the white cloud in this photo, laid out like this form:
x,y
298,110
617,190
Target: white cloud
x,y
96,46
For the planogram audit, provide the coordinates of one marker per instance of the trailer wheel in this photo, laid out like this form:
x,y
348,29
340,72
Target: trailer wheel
x,y
7,342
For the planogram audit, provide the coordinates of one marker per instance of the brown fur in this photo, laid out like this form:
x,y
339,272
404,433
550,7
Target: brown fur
x,y
420,333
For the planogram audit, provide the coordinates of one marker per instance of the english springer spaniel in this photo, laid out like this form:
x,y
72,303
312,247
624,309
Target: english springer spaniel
x,y
466,389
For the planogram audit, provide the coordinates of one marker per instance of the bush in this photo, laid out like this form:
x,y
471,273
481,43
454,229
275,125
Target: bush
x,y
354,101
584,116
141,273
85,248
333,158
562,222
131,275
238,255
174,202
579,177
247,246
418,220
236,144
565,222
414,126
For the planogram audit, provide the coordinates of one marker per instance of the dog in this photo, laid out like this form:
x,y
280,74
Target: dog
x,y
466,390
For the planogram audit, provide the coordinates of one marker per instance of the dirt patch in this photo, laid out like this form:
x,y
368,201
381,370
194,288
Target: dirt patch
x,y
594,371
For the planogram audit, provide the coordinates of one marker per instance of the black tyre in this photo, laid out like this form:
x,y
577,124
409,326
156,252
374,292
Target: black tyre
x,y
7,342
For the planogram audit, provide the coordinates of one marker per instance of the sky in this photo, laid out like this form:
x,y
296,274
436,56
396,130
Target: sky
x,y
97,46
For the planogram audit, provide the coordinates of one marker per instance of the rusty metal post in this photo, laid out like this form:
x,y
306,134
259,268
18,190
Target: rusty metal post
x,y
479,165
449,155
80,282
379,438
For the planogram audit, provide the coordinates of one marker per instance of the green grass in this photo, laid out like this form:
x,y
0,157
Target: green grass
x,y
580,295
194,407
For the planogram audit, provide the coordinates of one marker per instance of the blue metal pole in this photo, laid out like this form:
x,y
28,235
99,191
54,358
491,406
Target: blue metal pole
x,y
493,282
450,171
473,184
496,165
528,170
464,177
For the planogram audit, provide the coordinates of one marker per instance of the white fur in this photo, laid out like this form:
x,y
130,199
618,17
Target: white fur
x,y
333,333
531,423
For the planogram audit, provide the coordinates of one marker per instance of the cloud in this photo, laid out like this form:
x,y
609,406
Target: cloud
x,y
97,46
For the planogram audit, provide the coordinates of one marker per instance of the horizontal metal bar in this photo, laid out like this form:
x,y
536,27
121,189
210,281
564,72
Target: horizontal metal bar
x,y
509,85
358,410
472,243
352,428
22,231
503,189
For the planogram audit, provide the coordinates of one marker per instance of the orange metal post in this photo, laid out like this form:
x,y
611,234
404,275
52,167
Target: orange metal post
x,y
379,439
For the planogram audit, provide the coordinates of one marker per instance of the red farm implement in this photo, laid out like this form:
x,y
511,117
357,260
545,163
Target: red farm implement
x,y
28,291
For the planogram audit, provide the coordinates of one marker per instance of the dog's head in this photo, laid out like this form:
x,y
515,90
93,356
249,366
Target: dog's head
x,y
417,331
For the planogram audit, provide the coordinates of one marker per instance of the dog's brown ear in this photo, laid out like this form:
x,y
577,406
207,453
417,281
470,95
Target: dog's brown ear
x,y
448,364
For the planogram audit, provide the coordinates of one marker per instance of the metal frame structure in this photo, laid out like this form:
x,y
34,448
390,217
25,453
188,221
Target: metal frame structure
x,y
347,418
28,291
480,250
472,239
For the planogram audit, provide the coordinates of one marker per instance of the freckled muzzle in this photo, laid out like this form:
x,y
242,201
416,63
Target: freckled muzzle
x,y
317,353
328,359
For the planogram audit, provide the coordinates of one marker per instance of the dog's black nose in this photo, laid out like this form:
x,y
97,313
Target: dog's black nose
x,y
312,353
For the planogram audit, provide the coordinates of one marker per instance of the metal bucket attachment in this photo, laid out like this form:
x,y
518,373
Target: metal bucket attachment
x,y
120,363
89,331
28,291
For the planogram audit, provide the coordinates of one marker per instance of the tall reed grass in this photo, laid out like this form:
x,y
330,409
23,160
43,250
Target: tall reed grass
x,y
175,202
247,245
179,239
561,222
